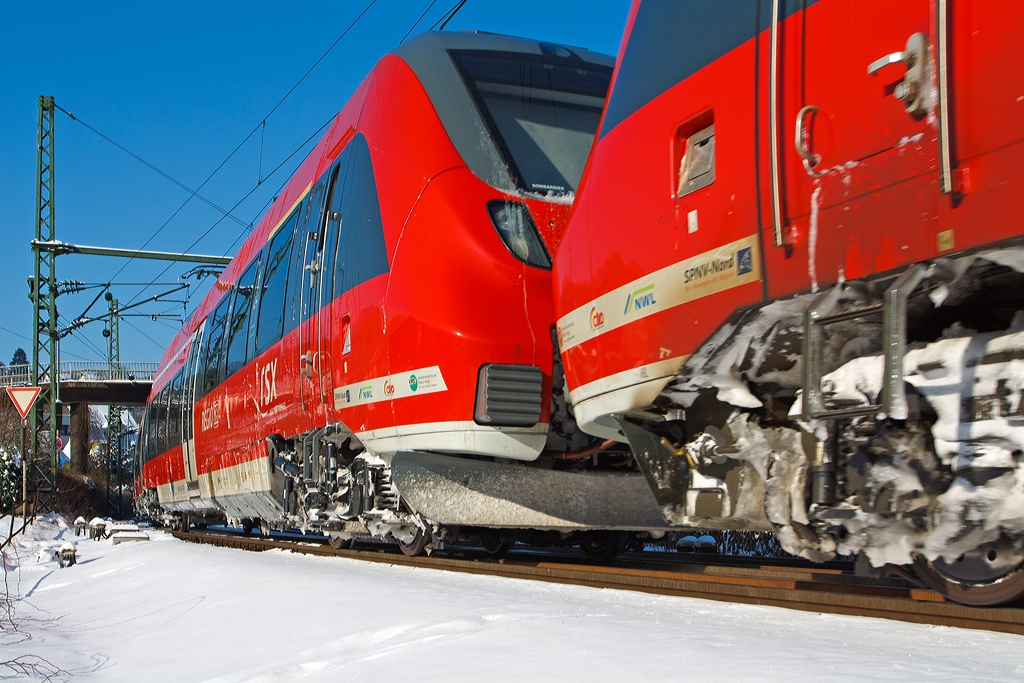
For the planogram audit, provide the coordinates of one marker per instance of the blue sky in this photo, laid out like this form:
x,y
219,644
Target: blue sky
x,y
181,85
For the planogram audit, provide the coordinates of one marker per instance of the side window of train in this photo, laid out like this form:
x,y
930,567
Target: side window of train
x,y
189,383
174,421
362,253
151,423
270,325
212,364
293,300
334,221
238,330
142,445
161,419
312,238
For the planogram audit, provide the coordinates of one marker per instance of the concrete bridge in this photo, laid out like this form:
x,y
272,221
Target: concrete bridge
x,y
98,382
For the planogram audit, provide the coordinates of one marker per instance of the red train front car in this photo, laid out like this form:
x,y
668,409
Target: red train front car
x,y
791,277
395,298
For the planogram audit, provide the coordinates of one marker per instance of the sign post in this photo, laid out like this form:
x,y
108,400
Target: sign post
x,y
23,398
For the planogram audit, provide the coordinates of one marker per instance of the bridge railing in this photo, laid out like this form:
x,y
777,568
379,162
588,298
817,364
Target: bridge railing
x,y
83,371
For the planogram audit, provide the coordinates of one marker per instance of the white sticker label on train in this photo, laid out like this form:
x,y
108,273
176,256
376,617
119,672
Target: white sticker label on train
x,y
728,266
396,385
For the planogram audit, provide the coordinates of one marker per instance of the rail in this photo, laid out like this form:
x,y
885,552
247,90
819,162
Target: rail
x,y
808,589
83,371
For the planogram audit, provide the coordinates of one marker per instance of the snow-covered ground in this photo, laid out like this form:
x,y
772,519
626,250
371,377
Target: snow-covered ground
x,y
166,610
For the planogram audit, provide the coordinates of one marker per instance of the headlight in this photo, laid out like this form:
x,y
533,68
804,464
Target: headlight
x,y
518,232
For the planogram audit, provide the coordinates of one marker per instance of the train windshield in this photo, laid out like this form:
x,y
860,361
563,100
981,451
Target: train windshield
x,y
542,112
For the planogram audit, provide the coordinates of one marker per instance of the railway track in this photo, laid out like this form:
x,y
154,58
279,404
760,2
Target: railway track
x,y
814,589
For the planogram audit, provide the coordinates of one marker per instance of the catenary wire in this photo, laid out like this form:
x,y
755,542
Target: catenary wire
x,y
239,202
447,16
247,137
193,193
413,27
21,336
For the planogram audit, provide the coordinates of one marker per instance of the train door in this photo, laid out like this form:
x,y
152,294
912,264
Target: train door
x,y
188,443
340,315
852,84
314,323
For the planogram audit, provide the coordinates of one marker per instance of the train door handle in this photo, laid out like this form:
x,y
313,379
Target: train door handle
x,y
802,140
912,90
306,361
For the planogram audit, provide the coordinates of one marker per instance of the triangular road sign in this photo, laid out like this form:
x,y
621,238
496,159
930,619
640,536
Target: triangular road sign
x,y
23,398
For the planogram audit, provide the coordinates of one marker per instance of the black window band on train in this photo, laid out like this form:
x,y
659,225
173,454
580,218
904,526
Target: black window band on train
x,y
361,253
213,356
673,39
238,344
541,110
270,325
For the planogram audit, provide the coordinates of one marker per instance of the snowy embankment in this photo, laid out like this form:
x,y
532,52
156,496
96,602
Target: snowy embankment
x,y
166,610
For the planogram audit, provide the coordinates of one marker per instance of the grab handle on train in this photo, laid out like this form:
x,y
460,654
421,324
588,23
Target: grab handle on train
x,y
802,140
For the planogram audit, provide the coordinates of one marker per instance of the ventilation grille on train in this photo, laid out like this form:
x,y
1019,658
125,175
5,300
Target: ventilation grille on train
x,y
508,395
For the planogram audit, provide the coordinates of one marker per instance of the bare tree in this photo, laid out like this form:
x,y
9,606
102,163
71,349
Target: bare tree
x,y
15,629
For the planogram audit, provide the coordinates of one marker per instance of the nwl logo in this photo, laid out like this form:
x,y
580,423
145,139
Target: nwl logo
x,y
641,298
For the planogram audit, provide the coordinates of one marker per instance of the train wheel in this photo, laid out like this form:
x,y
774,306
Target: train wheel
x,y
415,546
602,546
991,575
339,543
247,526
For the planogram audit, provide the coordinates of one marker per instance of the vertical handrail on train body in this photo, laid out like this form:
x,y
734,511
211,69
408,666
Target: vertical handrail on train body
x,y
773,126
942,57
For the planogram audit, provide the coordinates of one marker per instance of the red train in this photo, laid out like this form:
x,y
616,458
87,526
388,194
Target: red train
x,y
396,298
792,277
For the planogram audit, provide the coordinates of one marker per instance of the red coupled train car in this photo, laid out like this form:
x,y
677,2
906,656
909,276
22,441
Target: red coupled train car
x,y
792,278
378,358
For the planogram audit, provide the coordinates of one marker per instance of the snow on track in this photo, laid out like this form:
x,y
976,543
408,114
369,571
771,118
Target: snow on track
x,y
166,610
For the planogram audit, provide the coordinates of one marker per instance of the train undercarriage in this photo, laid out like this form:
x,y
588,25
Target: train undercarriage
x,y
881,418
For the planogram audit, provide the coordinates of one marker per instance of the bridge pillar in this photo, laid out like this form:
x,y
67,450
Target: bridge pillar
x,y
80,437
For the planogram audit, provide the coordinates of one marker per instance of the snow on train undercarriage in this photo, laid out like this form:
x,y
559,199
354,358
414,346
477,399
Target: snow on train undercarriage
x,y
579,491
880,416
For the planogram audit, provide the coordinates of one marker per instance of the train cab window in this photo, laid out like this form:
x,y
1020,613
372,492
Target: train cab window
x,y
238,331
212,365
542,111
274,287
362,252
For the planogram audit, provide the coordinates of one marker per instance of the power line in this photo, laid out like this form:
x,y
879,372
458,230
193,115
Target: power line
x,y
16,334
246,138
343,34
239,202
417,22
155,343
448,16
193,193
84,340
